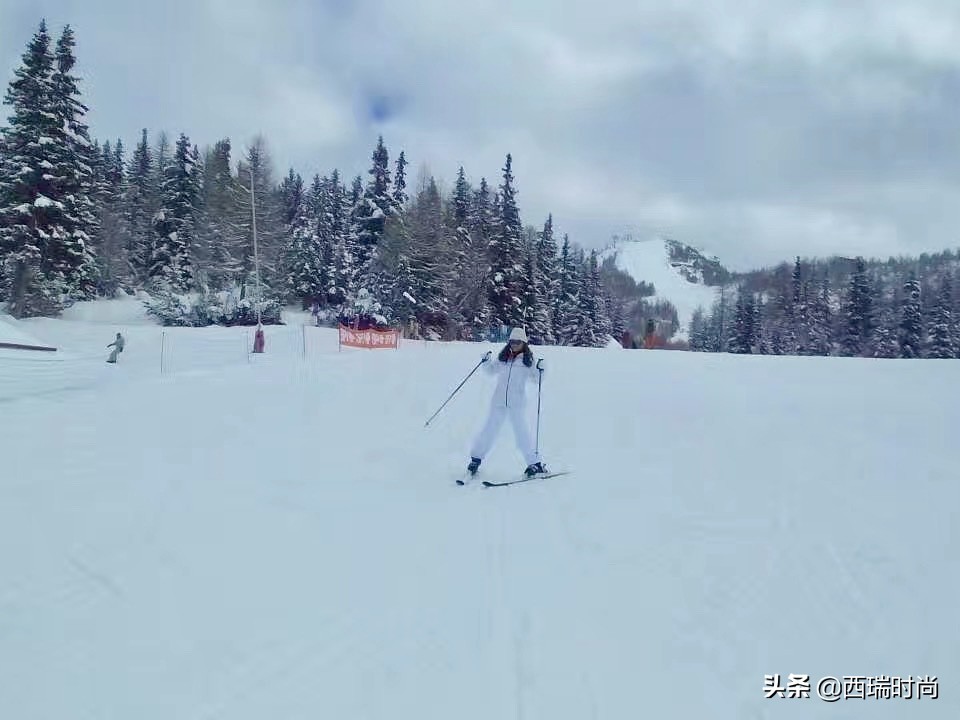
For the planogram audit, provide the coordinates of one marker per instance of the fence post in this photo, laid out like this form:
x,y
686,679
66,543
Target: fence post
x,y
163,336
304,329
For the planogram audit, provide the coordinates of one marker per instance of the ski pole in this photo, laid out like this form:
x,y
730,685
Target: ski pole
x,y
453,393
539,387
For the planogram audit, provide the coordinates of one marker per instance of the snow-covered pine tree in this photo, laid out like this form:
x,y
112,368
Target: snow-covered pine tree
x,y
400,183
536,306
820,321
47,214
800,312
764,334
474,224
943,340
336,239
604,322
73,157
700,331
429,256
174,223
163,159
506,256
589,321
25,184
567,300
369,219
113,237
291,194
884,342
218,235
269,215
858,311
303,266
464,260
911,320
744,335
138,209
546,278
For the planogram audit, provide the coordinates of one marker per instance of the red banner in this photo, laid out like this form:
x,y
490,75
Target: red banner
x,y
369,338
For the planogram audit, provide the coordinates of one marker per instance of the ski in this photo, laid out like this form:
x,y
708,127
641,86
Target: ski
x,y
525,479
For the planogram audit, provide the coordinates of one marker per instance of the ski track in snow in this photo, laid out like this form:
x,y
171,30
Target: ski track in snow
x,y
279,537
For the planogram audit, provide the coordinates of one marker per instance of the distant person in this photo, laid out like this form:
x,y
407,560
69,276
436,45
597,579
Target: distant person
x,y
117,346
510,398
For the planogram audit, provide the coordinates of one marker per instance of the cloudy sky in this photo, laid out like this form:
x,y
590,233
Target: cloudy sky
x,y
759,131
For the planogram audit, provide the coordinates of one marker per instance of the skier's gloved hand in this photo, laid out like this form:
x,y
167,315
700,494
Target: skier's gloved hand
x,y
540,366
486,355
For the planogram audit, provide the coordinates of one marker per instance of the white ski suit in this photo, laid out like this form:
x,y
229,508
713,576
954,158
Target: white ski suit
x,y
509,399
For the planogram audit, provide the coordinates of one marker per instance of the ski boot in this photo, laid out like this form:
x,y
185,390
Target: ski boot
x,y
535,469
473,466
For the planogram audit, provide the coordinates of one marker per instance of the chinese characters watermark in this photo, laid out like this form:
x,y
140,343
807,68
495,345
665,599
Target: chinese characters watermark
x,y
852,687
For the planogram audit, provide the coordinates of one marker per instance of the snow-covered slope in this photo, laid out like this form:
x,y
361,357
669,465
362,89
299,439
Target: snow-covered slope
x,y
12,332
280,537
650,261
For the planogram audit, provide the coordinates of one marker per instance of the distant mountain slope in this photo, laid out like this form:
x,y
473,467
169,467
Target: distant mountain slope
x,y
680,274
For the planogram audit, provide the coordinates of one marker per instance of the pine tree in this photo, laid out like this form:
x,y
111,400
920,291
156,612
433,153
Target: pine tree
x,y
466,259
911,320
884,341
535,300
471,225
336,240
428,258
546,278
819,333
943,340
219,236
506,254
47,214
400,183
73,157
265,203
589,315
859,312
369,217
461,201
137,209
699,331
566,301
799,313
291,198
745,335
113,237
174,223
303,265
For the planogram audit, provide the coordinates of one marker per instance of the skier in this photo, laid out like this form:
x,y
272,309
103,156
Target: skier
x,y
509,398
117,346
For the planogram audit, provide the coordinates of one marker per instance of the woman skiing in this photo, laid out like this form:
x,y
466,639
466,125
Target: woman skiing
x,y
514,368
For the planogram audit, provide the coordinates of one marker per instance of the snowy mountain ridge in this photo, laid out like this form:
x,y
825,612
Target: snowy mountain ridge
x,y
681,274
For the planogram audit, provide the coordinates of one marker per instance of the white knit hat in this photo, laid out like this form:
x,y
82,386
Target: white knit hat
x,y
518,334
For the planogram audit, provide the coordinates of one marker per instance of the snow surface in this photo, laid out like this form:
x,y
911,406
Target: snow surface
x,y
278,535
11,331
649,261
